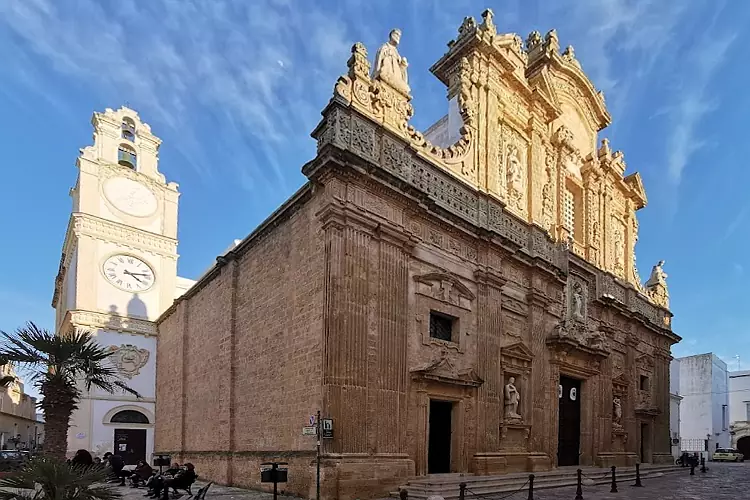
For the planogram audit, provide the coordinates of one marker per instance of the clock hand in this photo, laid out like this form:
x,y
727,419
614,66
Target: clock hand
x,y
133,275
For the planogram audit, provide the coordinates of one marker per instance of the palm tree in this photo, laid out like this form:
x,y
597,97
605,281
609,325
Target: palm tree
x,y
60,365
48,478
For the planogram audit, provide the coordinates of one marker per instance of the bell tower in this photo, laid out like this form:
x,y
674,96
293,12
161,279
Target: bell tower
x,y
118,273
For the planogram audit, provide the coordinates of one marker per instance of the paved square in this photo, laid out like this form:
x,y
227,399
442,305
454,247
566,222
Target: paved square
x,y
721,482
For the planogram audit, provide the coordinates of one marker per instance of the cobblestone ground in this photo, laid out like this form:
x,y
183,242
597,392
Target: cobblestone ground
x,y
722,482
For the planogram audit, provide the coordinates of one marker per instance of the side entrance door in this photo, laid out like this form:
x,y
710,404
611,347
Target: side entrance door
x,y
569,426
130,444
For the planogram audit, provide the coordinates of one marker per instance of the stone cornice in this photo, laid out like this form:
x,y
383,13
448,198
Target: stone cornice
x,y
95,227
349,139
105,321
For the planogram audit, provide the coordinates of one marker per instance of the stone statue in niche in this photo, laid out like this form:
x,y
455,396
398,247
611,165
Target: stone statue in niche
x,y
619,249
512,398
389,66
577,303
617,411
514,176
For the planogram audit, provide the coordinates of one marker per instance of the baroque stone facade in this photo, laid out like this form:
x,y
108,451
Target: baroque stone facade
x,y
417,293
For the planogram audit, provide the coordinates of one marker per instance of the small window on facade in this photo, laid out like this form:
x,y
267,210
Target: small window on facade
x,y
126,156
441,326
644,383
128,129
569,212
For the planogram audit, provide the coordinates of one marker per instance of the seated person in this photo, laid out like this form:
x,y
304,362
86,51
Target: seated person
x,y
141,473
182,480
158,478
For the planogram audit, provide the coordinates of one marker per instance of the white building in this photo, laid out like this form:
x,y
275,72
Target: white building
x,y
118,273
674,406
739,410
704,408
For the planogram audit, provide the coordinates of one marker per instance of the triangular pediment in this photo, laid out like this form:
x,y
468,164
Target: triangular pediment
x,y
517,351
443,370
621,380
638,193
445,287
644,362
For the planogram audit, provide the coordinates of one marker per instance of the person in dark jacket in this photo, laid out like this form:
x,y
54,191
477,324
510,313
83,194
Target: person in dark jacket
x,y
82,458
141,473
182,480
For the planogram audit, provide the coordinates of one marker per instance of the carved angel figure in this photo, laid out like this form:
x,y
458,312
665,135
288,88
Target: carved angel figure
x,y
512,397
389,66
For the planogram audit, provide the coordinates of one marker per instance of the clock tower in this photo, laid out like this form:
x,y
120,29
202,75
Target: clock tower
x,y
118,273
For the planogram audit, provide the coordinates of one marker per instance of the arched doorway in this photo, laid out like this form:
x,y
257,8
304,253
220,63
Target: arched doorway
x,y
743,446
130,434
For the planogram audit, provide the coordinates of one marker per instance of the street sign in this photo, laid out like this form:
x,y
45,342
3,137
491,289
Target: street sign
x,y
312,419
326,426
309,430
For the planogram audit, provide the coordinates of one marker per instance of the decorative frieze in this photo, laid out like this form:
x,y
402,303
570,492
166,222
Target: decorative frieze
x,y
112,322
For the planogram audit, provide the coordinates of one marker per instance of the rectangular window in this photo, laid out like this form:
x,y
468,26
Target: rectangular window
x,y
441,326
724,417
644,383
569,212
747,411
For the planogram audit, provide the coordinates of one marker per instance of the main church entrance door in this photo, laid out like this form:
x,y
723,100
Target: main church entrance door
x,y
569,424
439,443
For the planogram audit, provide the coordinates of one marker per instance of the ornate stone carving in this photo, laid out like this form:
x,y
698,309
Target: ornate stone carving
x,y
129,359
577,303
618,249
617,412
389,66
512,398
656,286
446,288
444,370
548,193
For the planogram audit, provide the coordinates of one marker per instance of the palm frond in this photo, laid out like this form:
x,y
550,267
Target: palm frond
x,y
56,480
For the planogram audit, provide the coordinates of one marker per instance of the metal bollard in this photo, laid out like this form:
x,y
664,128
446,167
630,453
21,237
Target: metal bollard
x,y
638,476
703,464
692,468
579,489
461,491
614,480
403,494
531,486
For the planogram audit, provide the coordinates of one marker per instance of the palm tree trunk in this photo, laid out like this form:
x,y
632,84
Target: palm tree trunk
x,y
58,404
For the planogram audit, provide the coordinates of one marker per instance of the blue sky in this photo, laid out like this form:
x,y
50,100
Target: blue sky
x,y
234,88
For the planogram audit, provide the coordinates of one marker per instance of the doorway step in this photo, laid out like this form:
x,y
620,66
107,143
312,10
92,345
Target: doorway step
x,y
446,485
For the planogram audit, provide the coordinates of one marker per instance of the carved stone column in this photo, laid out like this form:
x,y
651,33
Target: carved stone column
x,y
538,303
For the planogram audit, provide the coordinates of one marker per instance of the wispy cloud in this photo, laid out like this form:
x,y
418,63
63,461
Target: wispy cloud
x,y
694,100
240,62
736,222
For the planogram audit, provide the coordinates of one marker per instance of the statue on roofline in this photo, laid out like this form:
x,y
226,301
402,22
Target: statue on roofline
x,y
389,66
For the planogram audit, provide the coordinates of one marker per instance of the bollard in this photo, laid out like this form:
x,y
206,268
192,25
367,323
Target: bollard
x,y
638,476
403,494
461,491
614,480
579,489
692,468
531,486
703,464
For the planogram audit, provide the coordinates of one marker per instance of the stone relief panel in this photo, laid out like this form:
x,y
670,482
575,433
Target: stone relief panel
x,y
446,288
129,359
617,246
514,174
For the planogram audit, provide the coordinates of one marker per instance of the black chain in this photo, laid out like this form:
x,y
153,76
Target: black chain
x,y
486,495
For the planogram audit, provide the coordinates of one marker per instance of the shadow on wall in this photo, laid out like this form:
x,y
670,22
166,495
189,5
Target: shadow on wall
x,y
136,308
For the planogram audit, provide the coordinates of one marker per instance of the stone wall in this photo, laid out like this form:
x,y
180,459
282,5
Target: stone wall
x,y
239,356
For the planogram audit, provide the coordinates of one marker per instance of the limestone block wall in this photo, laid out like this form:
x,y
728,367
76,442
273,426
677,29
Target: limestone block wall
x,y
239,370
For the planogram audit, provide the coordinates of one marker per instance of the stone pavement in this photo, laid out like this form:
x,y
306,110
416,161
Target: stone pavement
x,y
721,482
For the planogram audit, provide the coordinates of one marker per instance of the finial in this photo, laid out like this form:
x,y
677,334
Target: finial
x,y
488,24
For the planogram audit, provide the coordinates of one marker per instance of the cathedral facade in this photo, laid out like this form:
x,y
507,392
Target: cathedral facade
x,y
461,300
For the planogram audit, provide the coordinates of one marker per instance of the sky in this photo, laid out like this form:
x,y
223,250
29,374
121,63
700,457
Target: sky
x,y
234,88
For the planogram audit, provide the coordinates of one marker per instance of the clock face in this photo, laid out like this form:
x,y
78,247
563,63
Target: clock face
x,y
130,196
128,273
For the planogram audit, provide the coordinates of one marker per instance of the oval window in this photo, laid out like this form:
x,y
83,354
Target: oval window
x,y
559,391
573,394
